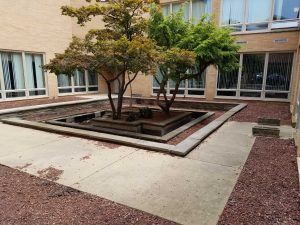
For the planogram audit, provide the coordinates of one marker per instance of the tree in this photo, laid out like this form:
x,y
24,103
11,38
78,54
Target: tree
x,y
118,53
207,43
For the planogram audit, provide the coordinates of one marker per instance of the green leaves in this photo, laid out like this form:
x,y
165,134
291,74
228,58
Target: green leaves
x,y
167,31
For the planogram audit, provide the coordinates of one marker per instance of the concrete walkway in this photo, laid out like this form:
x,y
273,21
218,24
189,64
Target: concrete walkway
x,y
190,190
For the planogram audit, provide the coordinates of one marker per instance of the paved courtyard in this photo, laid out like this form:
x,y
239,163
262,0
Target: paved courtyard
x,y
190,190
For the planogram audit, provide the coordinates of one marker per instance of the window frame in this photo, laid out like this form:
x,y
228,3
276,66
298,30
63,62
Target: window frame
x,y
270,22
185,88
190,3
4,92
263,91
73,87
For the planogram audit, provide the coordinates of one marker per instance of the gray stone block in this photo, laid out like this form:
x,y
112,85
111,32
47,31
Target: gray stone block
x,y
265,131
269,121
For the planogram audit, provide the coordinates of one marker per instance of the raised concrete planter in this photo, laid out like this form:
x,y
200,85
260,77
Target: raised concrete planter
x,y
265,131
143,125
269,121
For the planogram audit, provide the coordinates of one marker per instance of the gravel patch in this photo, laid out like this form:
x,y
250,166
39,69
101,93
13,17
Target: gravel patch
x,y
255,109
267,191
28,200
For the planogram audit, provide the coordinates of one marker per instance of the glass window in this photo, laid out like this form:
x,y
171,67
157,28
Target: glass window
x,y
34,73
185,8
259,11
165,9
279,71
198,82
196,86
92,79
232,12
252,72
199,8
64,80
13,71
228,80
259,78
176,7
79,78
173,83
159,77
286,9
79,81
186,11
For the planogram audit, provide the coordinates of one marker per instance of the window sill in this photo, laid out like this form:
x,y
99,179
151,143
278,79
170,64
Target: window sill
x,y
266,31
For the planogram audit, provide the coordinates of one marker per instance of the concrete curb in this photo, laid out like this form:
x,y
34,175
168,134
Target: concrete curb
x,y
181,149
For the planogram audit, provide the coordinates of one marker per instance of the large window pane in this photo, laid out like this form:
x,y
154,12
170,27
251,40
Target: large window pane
x,y
279,71
34,73
232,12
92,79
176,7
64,80
165,9
173,83
13,71
199,8
228,80
286,9
259,11
252,73
79,78
196,86
158,77
198,82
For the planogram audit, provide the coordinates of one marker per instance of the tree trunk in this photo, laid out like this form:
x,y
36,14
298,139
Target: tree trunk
x,y
162,91
120,96
111,101
130,88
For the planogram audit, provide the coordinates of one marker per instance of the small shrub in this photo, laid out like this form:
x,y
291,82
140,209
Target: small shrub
x,y
146,113
133,116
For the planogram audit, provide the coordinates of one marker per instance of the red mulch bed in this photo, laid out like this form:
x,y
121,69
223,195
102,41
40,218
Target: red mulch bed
x,y
267,191
40,101
255,109
28,200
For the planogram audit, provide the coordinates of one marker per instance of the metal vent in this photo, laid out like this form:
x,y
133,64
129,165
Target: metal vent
x,y
242,42
281,40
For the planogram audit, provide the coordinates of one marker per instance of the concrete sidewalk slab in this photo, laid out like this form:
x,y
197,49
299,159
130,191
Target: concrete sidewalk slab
x,y
77,158
191,190
179,189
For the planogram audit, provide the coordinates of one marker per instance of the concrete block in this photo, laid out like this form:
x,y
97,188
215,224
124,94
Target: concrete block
x,y
265,131
269,121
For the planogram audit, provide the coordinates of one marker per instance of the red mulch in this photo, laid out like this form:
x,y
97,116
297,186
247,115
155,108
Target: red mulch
x,y
40,101
267,191
256,109
28,200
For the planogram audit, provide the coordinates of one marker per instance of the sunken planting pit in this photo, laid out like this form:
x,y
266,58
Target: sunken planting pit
x,y
156,126
143,124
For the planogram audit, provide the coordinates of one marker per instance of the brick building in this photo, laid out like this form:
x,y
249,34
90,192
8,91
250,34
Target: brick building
x,y
32,31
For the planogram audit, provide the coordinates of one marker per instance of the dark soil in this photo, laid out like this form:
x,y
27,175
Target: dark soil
x,y
193,129
28,200
32,102
267,191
